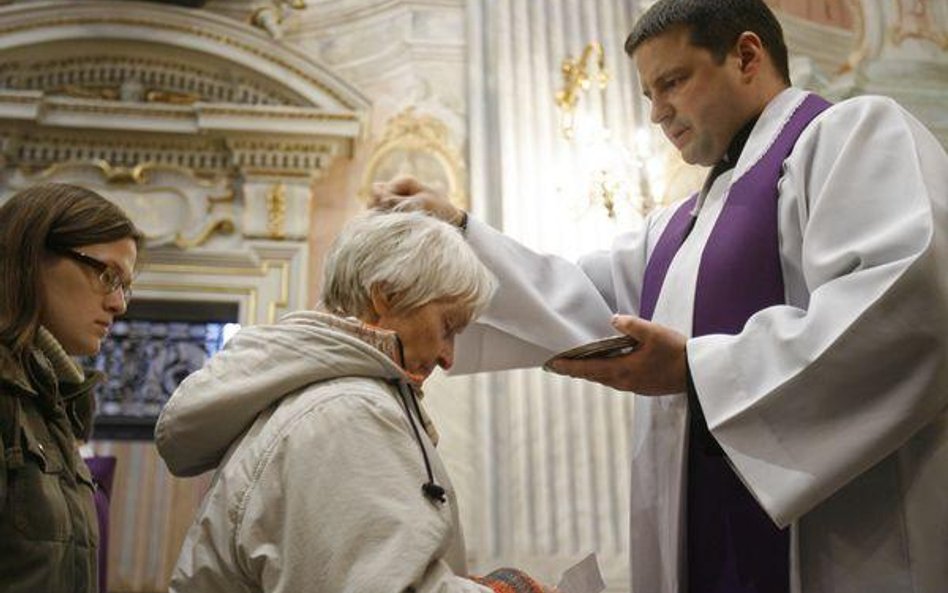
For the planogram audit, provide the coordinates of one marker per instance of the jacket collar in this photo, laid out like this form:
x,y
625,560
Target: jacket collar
x,y
384,340
13,374
65,368
52,358
387,342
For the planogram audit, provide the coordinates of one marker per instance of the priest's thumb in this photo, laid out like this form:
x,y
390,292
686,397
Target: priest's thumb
x,y
631,325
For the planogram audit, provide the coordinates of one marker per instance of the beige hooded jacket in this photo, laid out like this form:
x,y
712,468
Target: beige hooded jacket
x,y
320,472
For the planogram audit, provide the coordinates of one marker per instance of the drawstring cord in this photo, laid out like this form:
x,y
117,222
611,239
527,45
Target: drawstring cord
x,y
432,491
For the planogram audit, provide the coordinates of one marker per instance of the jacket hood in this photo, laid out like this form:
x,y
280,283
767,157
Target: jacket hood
x,y
259,366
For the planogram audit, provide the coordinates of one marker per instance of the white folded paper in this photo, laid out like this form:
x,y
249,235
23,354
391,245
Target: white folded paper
x,y
582,577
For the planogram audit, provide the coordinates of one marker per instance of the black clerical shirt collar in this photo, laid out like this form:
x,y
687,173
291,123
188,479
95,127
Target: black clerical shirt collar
x,y
734,150
726,163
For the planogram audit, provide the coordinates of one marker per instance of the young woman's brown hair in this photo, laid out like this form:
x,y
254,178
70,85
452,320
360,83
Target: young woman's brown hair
x,y
37,219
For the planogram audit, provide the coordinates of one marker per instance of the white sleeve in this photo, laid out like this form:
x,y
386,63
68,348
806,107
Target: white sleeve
x,y
337,507
544,303
807,398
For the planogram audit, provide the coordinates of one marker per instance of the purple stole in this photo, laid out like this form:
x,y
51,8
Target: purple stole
x,y
732,545
102,469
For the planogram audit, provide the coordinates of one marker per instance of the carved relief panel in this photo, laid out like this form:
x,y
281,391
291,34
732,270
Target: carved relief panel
x,y
171,205
420,146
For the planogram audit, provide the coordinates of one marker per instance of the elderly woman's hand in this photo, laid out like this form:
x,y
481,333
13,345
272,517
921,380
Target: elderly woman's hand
x,y
408,193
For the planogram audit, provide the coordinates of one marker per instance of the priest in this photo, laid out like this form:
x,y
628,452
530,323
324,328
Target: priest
x,y
791,378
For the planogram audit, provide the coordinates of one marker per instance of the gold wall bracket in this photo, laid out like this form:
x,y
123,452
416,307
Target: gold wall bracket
x,y
576,78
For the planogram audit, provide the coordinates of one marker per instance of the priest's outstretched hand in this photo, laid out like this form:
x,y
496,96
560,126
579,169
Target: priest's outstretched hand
x,y
656,367
408,193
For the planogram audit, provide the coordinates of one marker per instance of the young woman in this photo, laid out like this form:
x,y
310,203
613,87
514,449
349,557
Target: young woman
x,y
67,258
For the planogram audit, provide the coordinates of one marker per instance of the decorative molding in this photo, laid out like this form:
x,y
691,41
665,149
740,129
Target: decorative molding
x,y
276,208
140,174
900,50
825,45
39,149
171,205
101,76
254,308
862,47
283,157
225,226
167,118
333,14
270,16
276,211
417,145
277,113
188,29
917,22
401,53
882,28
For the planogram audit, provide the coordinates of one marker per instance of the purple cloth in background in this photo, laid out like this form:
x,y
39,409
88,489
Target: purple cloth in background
x,y
732,545
102,469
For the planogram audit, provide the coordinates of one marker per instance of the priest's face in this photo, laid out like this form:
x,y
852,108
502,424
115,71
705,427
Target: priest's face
x,y
699,102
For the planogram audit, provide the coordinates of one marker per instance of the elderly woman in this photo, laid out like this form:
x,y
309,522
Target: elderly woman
x,y
327,477
66,261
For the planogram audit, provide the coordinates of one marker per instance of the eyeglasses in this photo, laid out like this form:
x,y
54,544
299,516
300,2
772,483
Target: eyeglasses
x,y
110,278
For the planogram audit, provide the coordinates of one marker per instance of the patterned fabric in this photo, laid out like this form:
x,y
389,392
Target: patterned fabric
x,y
386,342
509,580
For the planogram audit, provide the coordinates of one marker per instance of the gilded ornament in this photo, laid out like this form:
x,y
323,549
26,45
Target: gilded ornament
x,y
224,226
276,211
171,97
417,145
576,78
914,20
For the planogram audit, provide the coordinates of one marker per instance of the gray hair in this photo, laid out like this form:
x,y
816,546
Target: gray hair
x,y
412,257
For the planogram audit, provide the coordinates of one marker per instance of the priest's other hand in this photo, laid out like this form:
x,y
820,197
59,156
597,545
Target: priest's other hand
x,y
407,194
655,367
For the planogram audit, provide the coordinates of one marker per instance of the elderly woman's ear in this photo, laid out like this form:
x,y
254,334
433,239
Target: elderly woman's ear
x,y
380,304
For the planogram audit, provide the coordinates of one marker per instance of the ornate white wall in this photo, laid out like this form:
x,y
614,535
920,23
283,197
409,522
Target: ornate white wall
x,y
901,50
240,136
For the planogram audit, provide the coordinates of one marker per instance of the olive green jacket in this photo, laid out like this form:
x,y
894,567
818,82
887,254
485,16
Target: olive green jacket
x,y
48,529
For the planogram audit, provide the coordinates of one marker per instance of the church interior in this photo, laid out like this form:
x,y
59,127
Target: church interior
x,y
241,134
